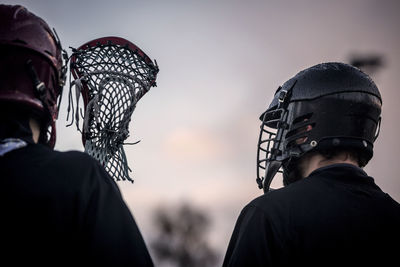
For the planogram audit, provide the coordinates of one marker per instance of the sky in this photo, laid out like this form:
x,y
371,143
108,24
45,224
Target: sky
x,y
220,63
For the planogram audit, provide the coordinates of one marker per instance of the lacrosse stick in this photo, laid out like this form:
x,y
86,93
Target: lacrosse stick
x,y
112,75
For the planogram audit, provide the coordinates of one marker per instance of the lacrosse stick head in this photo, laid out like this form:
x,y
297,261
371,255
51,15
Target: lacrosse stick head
x,y
111,74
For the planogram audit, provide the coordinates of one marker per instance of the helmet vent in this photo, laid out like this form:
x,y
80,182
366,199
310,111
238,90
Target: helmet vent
x,y
272,118
298,134
305,117
300,126
48,52
19,41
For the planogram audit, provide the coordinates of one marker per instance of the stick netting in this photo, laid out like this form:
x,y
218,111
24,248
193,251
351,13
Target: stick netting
x,y
112,78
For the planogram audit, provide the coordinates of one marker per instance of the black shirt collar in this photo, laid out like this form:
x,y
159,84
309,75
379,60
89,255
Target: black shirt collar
x,y
341,166
344,173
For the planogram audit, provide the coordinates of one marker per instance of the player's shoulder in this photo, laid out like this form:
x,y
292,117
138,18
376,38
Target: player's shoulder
x,y
269,199
283,198
70,163
71,157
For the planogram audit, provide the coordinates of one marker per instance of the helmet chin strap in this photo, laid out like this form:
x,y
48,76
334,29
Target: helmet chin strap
x,y
291,172
37,83
272,168
41,92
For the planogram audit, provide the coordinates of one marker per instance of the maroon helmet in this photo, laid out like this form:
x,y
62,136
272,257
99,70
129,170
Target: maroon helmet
x,y
32,70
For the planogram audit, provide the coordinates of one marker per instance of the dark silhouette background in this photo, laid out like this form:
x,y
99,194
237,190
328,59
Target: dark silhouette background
x,y
181,237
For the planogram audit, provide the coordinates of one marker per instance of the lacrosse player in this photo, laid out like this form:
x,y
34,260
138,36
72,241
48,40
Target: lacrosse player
x,y
57,208
319,130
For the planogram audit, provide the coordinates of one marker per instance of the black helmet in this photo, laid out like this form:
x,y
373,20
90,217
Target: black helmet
x,y
329,105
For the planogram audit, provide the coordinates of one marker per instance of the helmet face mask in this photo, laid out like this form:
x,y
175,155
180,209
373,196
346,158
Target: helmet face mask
x,y
330,105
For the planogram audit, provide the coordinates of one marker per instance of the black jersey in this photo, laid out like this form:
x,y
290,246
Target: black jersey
x,y
62,208
336,216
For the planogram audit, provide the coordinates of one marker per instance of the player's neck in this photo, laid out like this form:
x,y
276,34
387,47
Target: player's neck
x,y
35,128
317,161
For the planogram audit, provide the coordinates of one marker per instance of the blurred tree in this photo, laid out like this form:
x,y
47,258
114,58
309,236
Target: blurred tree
x,y
181,237
369,63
